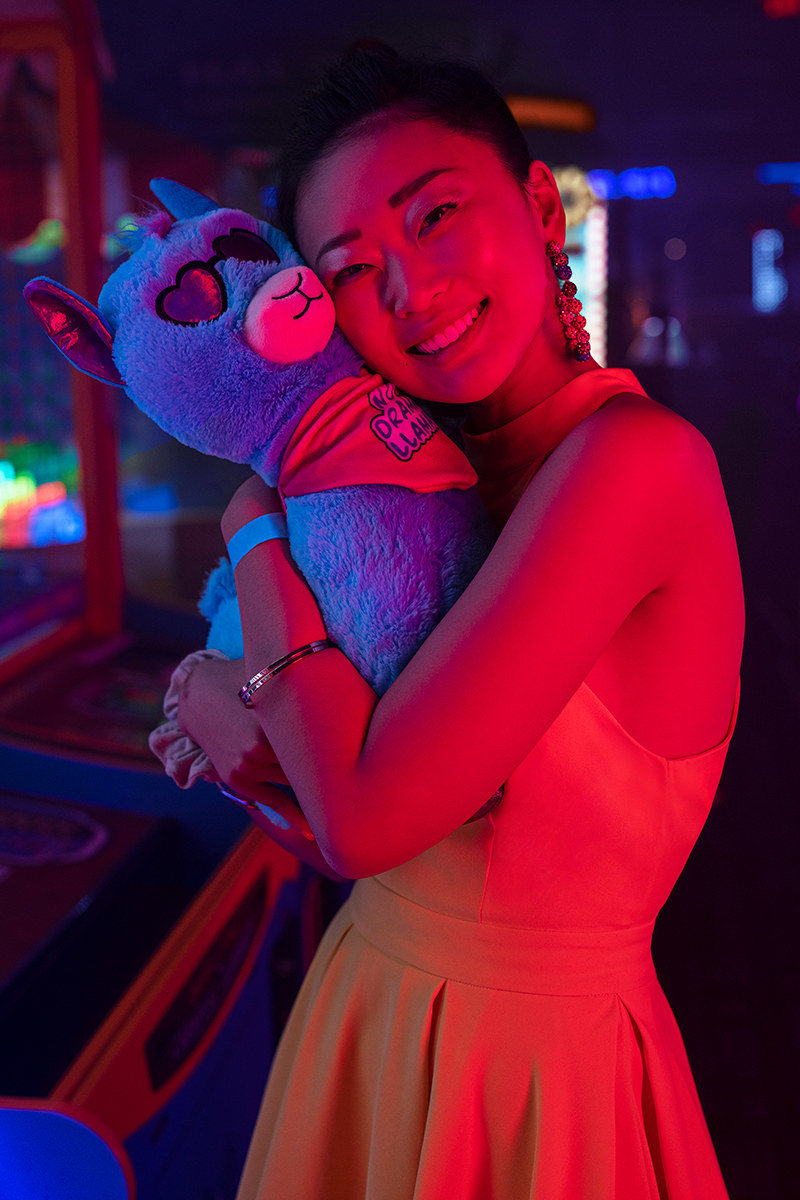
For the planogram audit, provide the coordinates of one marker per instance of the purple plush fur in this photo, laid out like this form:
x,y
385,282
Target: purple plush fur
x,y
384,561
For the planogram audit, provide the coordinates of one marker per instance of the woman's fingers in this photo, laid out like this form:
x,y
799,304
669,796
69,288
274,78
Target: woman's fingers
x,y
210,712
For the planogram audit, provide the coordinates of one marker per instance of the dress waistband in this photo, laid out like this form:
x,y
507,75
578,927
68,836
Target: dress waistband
x,y
547,962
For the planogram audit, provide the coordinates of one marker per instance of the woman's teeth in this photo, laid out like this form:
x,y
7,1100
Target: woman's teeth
x,y
451,334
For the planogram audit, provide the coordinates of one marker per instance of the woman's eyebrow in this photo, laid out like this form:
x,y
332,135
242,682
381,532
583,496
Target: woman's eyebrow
x,y
410,189
341,239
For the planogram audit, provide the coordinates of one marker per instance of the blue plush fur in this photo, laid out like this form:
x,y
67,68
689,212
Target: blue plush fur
x,y
384,562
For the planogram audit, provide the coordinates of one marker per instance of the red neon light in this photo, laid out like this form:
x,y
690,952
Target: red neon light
x,y
775,9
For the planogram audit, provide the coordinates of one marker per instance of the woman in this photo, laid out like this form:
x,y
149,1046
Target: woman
x,y
482,1018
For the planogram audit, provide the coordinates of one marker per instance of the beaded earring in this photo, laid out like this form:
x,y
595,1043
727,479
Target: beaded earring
x,y
569,306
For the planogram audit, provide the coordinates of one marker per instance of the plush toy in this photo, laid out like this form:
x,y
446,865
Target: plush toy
x,y
225,338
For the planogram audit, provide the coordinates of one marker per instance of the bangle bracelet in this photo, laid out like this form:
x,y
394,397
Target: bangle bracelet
x,y
288,660
260,529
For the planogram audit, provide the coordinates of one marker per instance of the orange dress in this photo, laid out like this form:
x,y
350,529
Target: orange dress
x,y
484,1022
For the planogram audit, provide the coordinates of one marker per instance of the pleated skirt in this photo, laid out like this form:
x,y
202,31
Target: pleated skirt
x,y
430,1057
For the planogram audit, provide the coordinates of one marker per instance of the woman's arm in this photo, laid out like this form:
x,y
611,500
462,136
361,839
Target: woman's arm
x,y
608,521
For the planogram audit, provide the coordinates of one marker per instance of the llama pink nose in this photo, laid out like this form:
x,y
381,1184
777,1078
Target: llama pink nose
x,y
290,318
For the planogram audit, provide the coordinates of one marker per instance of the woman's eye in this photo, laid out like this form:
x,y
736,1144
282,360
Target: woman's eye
x,y
436,214
348,273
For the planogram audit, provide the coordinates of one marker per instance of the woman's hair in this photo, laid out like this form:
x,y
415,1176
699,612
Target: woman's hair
x,y
372,79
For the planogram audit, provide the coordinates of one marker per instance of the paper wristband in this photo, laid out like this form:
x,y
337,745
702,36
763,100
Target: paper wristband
x,y
261,529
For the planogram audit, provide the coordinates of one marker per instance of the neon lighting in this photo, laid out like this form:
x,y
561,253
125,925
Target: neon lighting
x,y
149,498
36,514
51,493
16,489
595,305
775,9
778,172
62,522
769,282
551,113
603,184
43,244
637,183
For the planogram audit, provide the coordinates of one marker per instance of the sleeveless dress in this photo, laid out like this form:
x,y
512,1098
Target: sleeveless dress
x,y
484,1022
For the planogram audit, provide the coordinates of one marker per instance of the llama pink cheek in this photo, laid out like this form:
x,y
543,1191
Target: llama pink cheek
x,y
290,318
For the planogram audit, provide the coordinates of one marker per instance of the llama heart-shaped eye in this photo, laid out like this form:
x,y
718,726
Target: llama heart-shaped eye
x,y
245,246
197,295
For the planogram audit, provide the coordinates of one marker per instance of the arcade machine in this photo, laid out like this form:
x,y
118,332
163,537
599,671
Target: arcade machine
x,y
153,940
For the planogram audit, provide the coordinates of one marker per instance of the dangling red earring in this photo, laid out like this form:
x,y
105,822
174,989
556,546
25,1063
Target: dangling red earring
x,y
569,306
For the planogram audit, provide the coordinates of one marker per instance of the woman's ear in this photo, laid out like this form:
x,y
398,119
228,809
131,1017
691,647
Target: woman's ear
x,y
546,199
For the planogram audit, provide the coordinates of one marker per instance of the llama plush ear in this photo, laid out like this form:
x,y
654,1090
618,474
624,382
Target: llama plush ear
x,y
179,200
75,326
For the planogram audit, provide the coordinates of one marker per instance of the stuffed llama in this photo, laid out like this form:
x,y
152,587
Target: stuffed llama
x,y
222,335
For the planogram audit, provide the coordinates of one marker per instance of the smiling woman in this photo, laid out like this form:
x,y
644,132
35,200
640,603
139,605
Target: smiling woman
x,y
483,1018
429,270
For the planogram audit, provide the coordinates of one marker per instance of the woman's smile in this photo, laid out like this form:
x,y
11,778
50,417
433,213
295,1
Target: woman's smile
x,y
451,334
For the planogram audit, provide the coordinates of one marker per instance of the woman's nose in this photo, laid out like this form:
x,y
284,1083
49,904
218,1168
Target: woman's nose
x,y
410,287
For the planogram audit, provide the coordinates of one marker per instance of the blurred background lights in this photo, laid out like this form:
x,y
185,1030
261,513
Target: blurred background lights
x,y
659,341
638,183
635,183
769,282
603,184
780,172
675,248
775,9
576,194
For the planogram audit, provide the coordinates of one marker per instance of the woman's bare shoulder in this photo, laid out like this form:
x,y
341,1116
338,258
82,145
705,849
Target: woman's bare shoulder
x,y
647,440
645,418
635,480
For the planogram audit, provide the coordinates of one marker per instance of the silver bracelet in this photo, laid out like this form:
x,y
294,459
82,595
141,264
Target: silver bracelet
x,y
288,660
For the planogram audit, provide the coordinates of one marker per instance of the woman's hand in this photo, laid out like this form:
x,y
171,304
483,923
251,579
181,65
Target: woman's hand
x,y
233,739
251,499
211,713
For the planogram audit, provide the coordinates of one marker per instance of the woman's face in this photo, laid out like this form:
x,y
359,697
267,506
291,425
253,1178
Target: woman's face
x,y
434,255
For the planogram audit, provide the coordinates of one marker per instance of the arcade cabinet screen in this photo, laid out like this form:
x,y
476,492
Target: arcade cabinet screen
x,y
42,524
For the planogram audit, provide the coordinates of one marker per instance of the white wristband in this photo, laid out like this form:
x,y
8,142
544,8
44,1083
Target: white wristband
x,y
261,529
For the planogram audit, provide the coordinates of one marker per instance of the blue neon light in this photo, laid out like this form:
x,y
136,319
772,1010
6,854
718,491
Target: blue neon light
x,y
638,183
770,286
602,183
61,523
778,172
